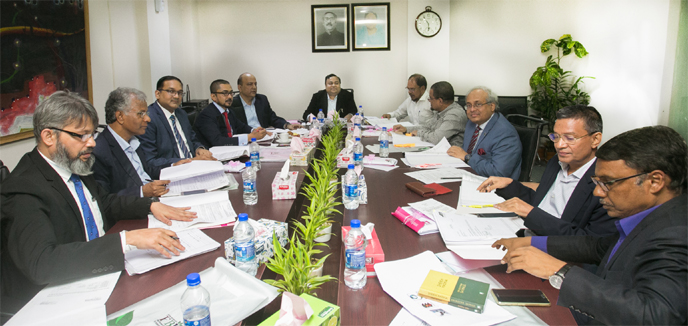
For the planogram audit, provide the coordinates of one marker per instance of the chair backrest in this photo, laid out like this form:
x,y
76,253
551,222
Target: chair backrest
x,y
350,90
192,118
513,105
4,171
189,109
530,138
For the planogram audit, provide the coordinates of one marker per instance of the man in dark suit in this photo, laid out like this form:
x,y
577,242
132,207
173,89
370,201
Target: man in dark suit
x,y
563,203
54,214
642,276
254,109
491,145
331,36
119,166
332,99
169,137
217,125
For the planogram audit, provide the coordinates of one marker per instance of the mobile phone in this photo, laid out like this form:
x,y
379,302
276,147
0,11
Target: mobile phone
x,y
511,297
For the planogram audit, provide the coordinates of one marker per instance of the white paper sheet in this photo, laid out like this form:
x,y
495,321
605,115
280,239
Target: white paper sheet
x,y
375,148
198,183
275,154
375,121
469,195
459,265
225,153
435,175
212,208
429,206
456,228
189,170
399,139
194,240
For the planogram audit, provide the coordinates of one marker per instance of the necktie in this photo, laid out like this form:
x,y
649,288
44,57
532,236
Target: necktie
x,y
229,126
180,140
474,139
91,228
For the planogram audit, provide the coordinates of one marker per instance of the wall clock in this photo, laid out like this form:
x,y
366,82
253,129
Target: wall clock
x,y
428,23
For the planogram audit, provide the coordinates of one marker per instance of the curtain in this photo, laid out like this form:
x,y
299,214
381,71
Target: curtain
x,y
678,109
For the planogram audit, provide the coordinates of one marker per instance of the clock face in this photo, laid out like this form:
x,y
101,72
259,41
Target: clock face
x,y
428,24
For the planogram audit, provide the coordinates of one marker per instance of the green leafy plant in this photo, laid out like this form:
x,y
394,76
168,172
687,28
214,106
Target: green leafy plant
x,y
554,88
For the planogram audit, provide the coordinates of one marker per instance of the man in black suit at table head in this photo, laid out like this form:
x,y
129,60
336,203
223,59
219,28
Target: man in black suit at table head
x,y
331,36
332,99
642,277
254,109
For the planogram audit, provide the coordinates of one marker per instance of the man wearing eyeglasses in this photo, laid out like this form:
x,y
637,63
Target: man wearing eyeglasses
x,y
120,165
563,203
491,144
217,125
55,215
640,178
254,109
417,106
169,137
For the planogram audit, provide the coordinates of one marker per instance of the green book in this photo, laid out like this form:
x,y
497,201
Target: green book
x,y
459,292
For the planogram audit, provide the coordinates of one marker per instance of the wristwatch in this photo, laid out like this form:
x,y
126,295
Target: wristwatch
x,y
466,158
558,278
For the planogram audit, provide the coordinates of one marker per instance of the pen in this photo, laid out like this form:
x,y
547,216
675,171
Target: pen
x,y
448,178
477,206
175,238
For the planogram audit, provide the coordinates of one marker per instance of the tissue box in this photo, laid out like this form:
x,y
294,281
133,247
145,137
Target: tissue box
x,y
344,159
263,242
302,159
374,253
284,189
324,313
309,141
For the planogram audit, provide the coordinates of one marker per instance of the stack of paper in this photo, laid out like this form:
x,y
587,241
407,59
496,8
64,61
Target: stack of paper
x,y
437,154
399,139
472,237
194,240
225,153
275,154
440,175
194,177
471,201
211,208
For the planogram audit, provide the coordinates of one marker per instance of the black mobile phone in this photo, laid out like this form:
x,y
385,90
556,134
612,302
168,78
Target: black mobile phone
x,y
511,297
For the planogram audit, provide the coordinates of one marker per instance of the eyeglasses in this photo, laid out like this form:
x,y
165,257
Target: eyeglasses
x,y
226,93
606,184
412,89
477,105
173,92
141,114
333,84
567,138
81,137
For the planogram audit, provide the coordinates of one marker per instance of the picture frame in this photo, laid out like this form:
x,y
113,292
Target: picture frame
x,y
370,28
330,28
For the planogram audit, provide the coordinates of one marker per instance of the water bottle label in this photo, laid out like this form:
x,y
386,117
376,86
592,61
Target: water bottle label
x,y
245,251
355,259
255,156
358,156
384,144
351,190
203,322
249,186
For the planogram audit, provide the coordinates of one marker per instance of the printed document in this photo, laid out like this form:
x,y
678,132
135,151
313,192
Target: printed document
x,y
472,237
437,154
275,154
226,153
429,206
399,139
212,208
435,175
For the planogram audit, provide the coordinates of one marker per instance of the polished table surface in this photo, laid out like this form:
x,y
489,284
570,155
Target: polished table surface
x,y
368,306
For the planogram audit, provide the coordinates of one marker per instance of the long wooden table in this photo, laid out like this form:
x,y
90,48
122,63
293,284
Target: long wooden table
x,y
368,306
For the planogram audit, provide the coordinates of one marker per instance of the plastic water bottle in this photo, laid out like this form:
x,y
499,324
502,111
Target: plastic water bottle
x,y
350,196
245,247
360,110
195,302
357,119
254,149
358,152
321,116
362,190
384,142
355,275
250,191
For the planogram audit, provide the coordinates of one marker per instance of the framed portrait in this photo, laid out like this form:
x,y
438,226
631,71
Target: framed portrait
x,y
330,28
370,28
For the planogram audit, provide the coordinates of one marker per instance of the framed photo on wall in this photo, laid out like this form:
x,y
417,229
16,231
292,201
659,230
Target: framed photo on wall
x,y
330,28
370,28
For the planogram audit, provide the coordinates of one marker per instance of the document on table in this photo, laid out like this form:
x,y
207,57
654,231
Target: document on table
x,y
375,148
375,121
399,139
226,153
470,196
429,206
403,287
197,184
275,154
189,170
194,240
436,154
212,208
76,303
436,175
459,265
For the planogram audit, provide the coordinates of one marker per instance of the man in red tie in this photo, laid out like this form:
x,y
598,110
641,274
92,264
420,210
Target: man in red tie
x,y
217,125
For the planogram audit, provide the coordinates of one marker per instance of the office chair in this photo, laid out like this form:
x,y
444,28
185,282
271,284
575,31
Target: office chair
x,y
192,117
510,105
461,99
8,305
530,140
350,90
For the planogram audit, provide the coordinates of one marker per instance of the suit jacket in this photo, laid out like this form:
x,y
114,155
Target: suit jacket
x,y
345,104
114,171
334,38
212,130
583,214
266,116
43,238
500,147
644,282
159,143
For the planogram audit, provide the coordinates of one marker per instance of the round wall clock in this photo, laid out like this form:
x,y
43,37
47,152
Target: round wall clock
x,y
428,23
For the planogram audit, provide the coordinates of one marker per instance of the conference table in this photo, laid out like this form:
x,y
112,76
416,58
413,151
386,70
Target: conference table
x,y
367,306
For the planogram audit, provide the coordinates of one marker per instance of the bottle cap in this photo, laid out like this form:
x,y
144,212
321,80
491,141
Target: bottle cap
x,y
243,217
355,224
358,139
248,163
193,279
351,166
384,128
320,110
253,139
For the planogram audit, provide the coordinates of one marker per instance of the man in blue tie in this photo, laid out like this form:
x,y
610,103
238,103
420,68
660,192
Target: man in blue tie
x,y
169,137
55,215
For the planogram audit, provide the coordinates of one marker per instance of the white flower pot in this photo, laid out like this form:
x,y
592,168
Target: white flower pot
x,y
326,235
317,272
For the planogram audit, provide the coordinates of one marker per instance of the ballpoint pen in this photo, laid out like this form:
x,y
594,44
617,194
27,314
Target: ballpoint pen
x,y
477,206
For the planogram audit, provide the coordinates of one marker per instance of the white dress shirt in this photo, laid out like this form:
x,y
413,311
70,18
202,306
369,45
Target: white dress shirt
x,y
561,190
243,138
129,149
331,106
179,128
418,112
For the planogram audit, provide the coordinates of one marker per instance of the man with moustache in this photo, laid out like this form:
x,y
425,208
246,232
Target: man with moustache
x,y
416,107
640,178
449,122
254,109
492,146
169,137
55,215
331,100
217,125
563,203
119,166
331,36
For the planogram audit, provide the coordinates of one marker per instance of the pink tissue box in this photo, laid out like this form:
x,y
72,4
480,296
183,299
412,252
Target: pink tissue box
x,y
374,253
343,160
308,141
284,189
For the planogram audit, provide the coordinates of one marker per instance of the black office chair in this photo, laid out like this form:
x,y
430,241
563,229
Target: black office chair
x,y
510,105
461,99
8,305
192,117
350,90
189,109
530,140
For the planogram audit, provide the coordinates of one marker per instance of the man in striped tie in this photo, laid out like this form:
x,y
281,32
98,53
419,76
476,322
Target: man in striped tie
x,y
55,215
